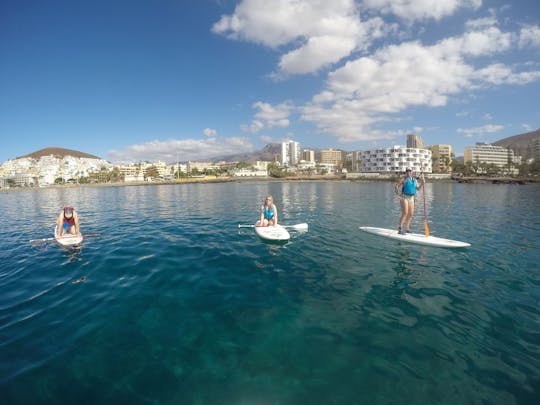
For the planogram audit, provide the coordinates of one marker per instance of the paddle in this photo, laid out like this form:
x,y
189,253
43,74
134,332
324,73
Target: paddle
x,y
426,227
62,237
298,227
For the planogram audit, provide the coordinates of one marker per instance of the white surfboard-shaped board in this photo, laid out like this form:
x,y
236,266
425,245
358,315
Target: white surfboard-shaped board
x,y
67,240
415,238
272,233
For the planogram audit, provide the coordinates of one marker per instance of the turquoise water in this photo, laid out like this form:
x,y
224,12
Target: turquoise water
x,y
175,304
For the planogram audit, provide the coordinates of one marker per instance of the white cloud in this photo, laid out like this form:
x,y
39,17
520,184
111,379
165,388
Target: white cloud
x,y
488,117
186,149
529,36
485,129
371,90
209,132
420,9
269,116
320,32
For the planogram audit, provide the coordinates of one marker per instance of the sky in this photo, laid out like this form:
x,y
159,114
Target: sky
x,y
178,80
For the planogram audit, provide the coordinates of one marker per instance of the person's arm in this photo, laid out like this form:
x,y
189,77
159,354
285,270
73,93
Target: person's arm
x,y
275,215
397,185
77,225
262,216
59,222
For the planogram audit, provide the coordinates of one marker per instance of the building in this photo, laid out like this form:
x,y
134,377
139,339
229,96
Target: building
x,y
536,149
442,157
396,160
308,155
290,153
356,161
489,154
331,156
415,141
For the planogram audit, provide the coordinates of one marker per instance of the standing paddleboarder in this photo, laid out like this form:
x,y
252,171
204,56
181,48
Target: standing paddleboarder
x,y
406,189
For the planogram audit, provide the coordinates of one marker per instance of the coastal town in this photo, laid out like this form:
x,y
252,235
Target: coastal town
x,y
55,166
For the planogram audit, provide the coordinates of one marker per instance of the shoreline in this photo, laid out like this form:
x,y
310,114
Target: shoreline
x,y
465,180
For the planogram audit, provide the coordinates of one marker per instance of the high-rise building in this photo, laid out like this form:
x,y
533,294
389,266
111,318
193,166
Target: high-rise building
x,y
290,153
415,141
308,155
442,155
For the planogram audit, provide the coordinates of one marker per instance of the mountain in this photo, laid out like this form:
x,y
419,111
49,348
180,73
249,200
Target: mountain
x,y
59,153
267,153
520,144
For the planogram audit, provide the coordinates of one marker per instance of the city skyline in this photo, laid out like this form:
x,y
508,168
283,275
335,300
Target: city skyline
x,y
133,81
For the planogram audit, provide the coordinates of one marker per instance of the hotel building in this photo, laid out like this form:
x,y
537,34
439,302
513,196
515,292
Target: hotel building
x,y
490,154
396,160
442,155
331,156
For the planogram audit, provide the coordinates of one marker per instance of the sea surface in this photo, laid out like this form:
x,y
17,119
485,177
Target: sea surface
x,y
174,304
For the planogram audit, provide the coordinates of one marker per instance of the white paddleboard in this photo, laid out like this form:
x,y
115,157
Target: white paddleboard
x,y
67,240
272,233
415,238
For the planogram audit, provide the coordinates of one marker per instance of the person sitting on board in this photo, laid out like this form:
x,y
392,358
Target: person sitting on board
x,y
269,215
68,222
408,185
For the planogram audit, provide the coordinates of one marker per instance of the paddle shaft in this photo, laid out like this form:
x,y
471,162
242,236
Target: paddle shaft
x,y
426,227
297,226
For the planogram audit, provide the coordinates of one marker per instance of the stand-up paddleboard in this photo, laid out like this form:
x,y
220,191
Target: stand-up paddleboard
x,y
415,238
272,233
67,240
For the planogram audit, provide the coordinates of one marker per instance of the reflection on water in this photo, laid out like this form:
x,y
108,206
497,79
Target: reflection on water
x,y
178,305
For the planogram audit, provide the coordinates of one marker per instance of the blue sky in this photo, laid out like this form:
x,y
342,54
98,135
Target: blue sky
x,y
191,80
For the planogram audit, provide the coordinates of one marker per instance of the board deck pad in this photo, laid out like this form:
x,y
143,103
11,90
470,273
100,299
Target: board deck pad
x,y
67,240
272,233
415,238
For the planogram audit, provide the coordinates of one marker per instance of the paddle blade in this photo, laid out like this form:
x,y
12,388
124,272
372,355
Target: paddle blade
x,y
300,227
426,228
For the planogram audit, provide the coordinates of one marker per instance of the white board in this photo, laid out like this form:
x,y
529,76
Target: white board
x,y
272,233
415,238
67,239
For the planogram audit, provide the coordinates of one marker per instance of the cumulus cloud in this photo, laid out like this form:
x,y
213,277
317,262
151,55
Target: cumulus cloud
x,y
209,132
420,9
485,129
529,36
320,32
370,90
182,150
269,116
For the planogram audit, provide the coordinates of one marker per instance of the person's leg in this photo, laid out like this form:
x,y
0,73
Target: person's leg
x,y
410,213
403,203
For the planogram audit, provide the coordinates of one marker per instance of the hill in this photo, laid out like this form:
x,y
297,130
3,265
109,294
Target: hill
x,y
520,144
58,152
267,153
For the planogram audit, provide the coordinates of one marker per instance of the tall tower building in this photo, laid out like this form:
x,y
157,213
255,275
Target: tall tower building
x,y
415,141
290,153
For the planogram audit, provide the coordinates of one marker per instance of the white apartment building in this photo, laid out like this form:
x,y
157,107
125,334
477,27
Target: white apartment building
x,y
396,160
290,153
490,154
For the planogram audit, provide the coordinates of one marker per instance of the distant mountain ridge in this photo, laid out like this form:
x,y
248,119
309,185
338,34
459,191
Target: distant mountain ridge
x,y
58,152
520,144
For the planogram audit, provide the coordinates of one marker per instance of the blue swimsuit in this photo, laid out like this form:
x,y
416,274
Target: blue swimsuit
x,y
268,214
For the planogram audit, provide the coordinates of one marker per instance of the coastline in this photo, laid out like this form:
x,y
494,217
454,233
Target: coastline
x,y
465,180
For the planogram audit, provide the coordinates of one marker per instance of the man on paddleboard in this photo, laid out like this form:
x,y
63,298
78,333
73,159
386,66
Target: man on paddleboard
x,y
68,222
269,215
406,189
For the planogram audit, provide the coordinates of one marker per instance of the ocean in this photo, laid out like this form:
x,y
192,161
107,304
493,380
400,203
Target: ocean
x,y
175,304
